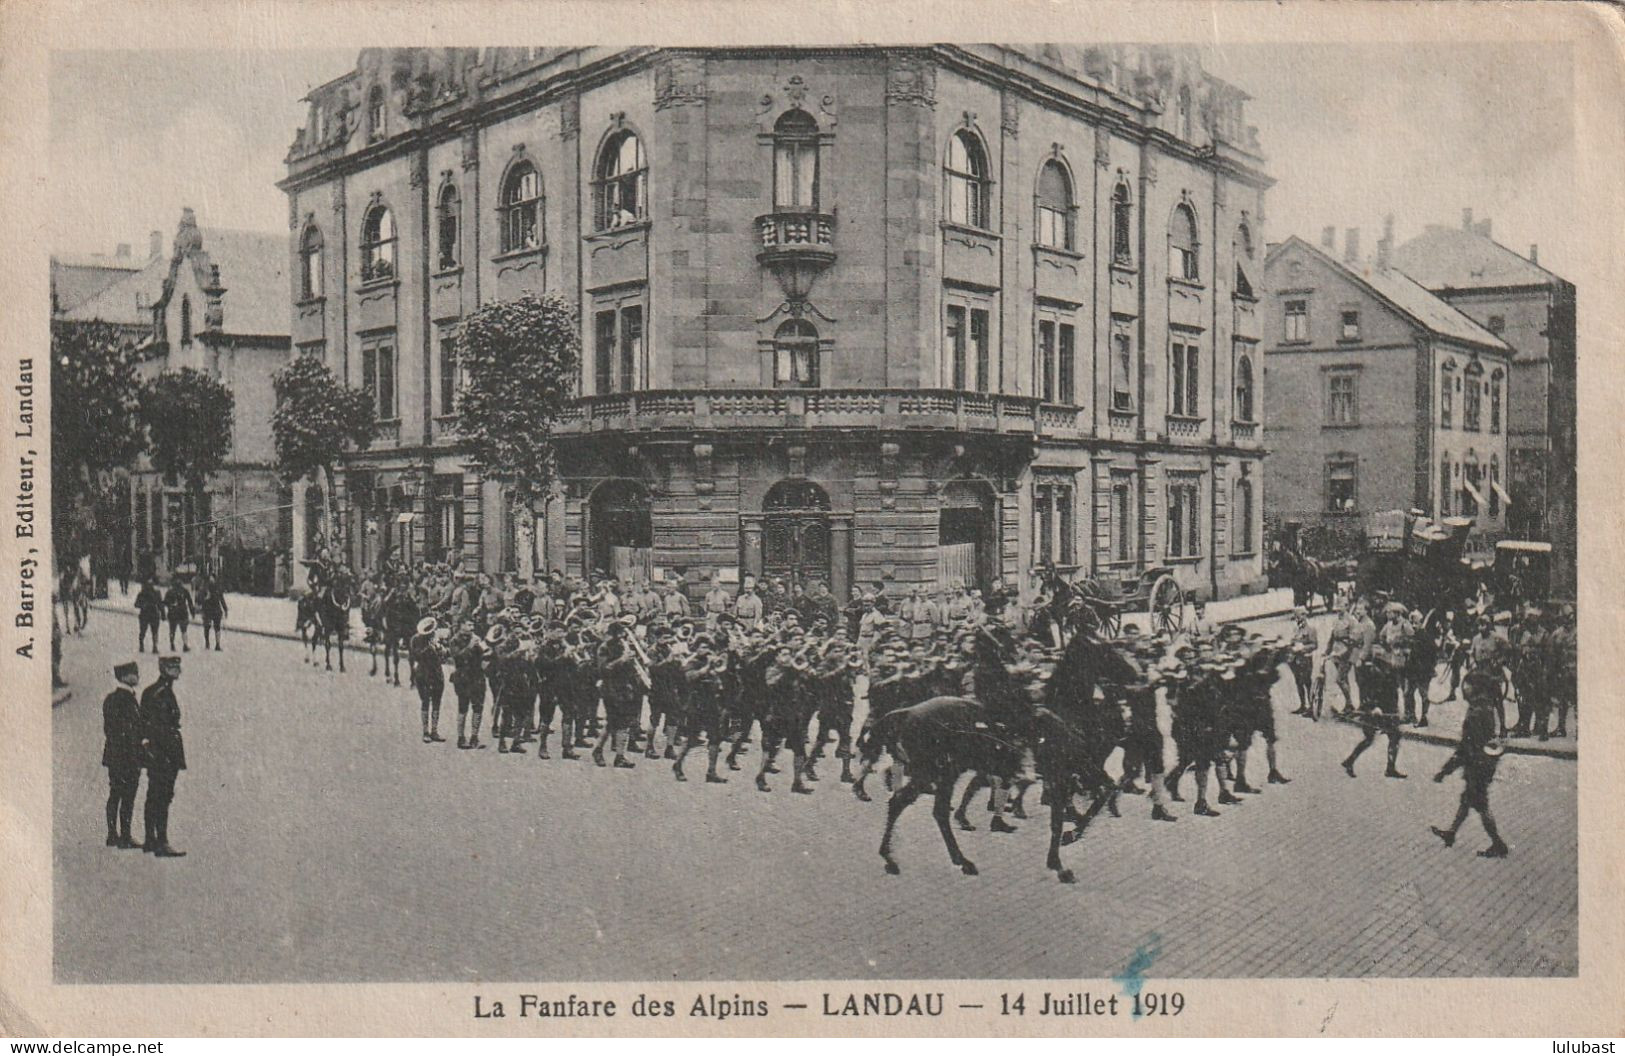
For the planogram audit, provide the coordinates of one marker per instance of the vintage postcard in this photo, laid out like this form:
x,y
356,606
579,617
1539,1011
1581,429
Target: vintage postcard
x,y
819,519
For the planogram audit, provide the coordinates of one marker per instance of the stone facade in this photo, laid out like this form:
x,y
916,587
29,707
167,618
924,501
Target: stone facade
x,y
872,313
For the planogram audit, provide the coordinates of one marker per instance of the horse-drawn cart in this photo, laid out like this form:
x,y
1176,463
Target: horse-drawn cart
x,y
1101,601
1416,561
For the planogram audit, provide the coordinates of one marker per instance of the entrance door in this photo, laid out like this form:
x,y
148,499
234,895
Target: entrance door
x,y
965,536
622,536
795,533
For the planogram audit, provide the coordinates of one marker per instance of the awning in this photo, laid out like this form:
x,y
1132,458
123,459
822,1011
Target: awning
x,y
404,518
1496,484
1477,495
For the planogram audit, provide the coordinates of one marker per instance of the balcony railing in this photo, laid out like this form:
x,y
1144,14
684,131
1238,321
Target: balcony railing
x,y
814,232
683,409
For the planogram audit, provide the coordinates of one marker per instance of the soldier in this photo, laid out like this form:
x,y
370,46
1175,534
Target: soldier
x,y
1379,700
164,754
1198,725
121,753
1561,667
704,713
1398,638
748,607
1529,675
785,719
1490,650
1253,684
1476,755
1344,644
425,657
178,607
666,685
468,682
211,603
1305,644
149,611
515,690
623,694
717,601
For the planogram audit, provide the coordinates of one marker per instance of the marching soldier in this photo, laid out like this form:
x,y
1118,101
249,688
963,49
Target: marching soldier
x,y
1529,676
1379,701
179,607
1344,645
164,754
425,657
704,712
1305,644
211,603
515,690
1477,756
121,753
623,694
149,610
468,682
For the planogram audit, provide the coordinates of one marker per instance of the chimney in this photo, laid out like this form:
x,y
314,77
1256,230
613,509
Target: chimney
x,y
1351,245
1385,244
123,251
1328,238
1466,219
155,245
1482,228
1534,253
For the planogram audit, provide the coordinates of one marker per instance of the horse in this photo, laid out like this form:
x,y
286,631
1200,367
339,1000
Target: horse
x,y
400,623
1307,577
942,738
333,618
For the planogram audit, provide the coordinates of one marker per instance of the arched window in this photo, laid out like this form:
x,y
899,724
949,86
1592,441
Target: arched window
x,y
186,319
1182,244
622,181
1447,393
1122,225
377,115
966,176
310,263
1244,388
448,226
1495,400
795,355
378,244
1244,259
1472,397
1495,485
1054,206
521,205
795,161
1242,538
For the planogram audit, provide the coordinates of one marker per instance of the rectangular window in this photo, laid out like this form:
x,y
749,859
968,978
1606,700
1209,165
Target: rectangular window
x,y
1447,389
1185,370
1472,402
1444,487
979,331
1065,366
1340,485
953,342
1043,524
631,346
450,382
1122,527
1046,361
1297,321
1184,520
604,352
1241,541
1341,399
1122,372
1495,402
385,357
1351,325
1064,521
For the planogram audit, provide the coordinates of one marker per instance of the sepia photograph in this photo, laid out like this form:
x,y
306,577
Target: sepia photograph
x,y
708,513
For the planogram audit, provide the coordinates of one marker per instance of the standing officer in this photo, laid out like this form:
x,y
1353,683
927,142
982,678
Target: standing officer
x,y
179,607
717,602
428,676
164,754
1477,755
121,753
149,610
748,608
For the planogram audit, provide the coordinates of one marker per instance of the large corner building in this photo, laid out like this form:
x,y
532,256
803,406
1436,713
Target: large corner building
x,y
927,313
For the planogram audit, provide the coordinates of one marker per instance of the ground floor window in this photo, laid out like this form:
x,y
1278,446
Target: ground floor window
x,y
1054,532
1242,517
1184,517
1122,518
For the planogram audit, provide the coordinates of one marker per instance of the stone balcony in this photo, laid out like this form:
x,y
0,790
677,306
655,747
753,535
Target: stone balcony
x,y
797,247
683,410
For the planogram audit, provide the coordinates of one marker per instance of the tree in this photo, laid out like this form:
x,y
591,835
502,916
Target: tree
x,y
520,361
95,425
187,414
317,417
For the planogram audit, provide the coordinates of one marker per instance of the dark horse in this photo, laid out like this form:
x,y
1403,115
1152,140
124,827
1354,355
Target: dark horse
x,y
1307,577
1070,736
324,618
400,613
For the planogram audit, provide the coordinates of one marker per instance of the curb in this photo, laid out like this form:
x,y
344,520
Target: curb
x,y
1512,747
286,636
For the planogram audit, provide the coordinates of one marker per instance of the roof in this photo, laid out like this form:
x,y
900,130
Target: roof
x,y
253,269
1409,298
1451,258
76,279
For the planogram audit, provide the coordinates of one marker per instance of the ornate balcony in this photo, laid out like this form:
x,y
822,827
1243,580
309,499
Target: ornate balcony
x,y
798,246
691,410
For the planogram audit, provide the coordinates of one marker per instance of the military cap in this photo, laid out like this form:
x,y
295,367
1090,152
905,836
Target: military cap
x,y
129,667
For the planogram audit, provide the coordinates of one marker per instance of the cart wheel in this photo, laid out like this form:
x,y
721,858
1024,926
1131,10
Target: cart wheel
x,y
1166,606
1111,625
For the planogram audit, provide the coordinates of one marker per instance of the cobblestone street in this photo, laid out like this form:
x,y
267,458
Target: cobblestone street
x,y
326,842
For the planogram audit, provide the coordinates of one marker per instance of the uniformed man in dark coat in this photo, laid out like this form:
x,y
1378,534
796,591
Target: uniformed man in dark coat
x,y
211,603
623,693
1379,704
121,753
149,610
163,753
1477,755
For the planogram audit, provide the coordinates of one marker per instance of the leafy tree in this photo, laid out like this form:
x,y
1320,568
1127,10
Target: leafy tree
x,y
317,417
187,414
520,361
95,425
